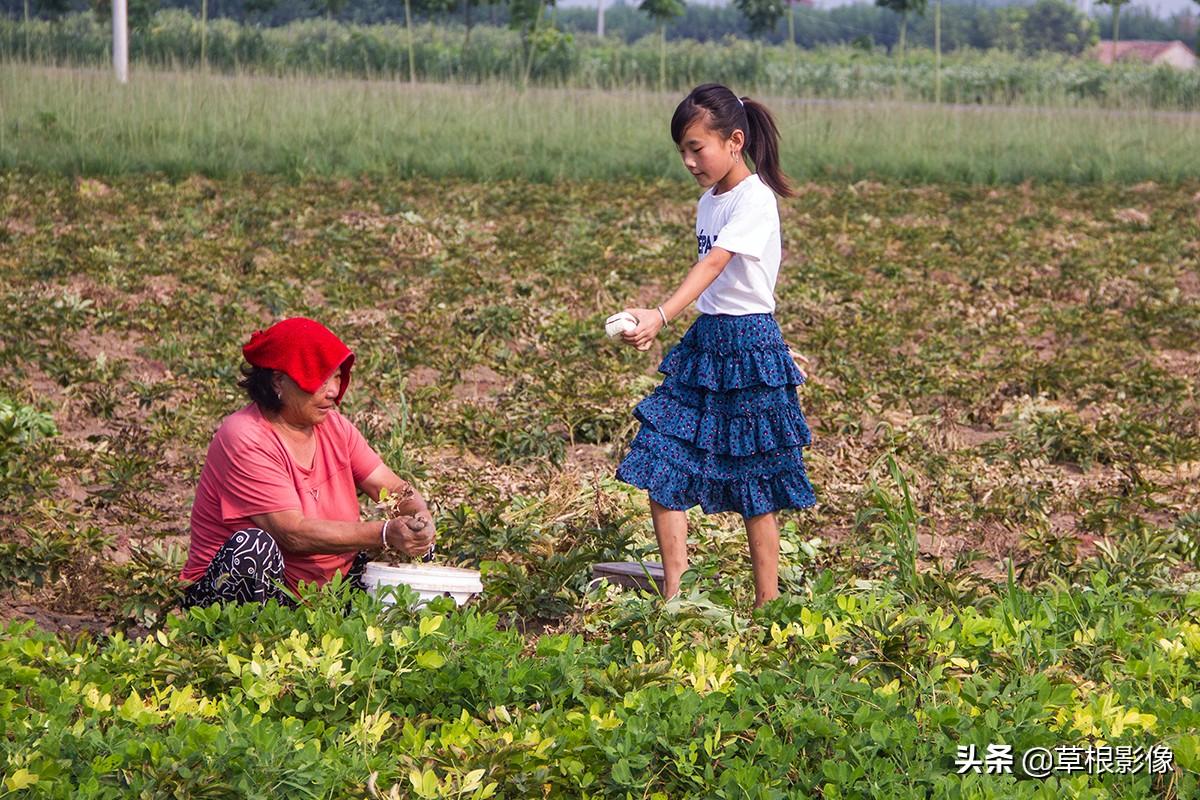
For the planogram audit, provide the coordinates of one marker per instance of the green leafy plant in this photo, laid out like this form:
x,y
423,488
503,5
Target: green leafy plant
x,y
1137,554
24,432
38,560
1047,554
145,588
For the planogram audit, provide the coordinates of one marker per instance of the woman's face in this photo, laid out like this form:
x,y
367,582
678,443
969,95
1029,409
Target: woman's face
x,y
302,408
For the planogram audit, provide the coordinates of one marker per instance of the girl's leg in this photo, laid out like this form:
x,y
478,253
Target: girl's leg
x,y
763,533
670,528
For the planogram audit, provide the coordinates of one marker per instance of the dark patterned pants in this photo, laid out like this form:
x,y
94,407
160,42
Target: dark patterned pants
x,y
249,568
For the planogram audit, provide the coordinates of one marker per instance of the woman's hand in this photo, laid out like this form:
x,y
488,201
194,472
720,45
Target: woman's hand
x,y
413,534
649,324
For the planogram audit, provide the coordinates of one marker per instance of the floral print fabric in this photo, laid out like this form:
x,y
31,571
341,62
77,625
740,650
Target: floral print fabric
x,y
724,429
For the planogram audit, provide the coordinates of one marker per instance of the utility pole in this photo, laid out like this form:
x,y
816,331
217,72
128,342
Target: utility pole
x,y
121,40
937,46
600,18
204,35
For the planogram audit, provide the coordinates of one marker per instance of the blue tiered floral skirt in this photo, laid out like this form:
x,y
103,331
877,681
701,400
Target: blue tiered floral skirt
x,y
724,429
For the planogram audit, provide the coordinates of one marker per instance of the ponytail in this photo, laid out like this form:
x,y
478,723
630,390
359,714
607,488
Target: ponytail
x,y
762,145
726,113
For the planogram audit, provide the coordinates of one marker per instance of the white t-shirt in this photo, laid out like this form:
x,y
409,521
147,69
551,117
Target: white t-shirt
x,y
744,221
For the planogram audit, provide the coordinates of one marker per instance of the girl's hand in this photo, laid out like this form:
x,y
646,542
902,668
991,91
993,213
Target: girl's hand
x,y
649,324
797,357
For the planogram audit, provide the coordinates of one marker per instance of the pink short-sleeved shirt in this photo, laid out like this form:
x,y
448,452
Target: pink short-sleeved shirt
x,y
249,470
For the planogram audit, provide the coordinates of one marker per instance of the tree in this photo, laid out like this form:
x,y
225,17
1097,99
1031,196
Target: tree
x,y
412,56
52,9
526,16
662,12
1056,26
138,12
1197,2
937,49
55,9
1116,20
466,6
432,6
204,34
1004,28
332,8
259,8
761,15
904,8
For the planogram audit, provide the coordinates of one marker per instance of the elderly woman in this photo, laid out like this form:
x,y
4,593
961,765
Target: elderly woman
x,y
277,499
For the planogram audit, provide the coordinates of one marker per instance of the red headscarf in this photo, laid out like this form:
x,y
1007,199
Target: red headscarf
x,y
303,349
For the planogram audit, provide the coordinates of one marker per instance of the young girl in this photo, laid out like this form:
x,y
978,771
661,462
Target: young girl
x,y
724,429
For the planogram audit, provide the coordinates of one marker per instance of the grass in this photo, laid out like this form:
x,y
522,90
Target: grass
x,y
78,121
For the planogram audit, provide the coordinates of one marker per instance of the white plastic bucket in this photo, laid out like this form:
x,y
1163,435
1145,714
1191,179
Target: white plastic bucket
x,y
426,580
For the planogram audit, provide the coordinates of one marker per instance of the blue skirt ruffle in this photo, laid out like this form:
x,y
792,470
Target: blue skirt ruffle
x,y
724,429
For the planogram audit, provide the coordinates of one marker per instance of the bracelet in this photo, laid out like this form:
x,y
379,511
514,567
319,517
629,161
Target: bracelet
x,y
662,314
383,534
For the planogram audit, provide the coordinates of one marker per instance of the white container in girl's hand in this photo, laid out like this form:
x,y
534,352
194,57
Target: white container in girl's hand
x,y
427,580
619,323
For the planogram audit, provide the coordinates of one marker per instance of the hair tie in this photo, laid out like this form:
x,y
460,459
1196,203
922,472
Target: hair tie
x,y
743,105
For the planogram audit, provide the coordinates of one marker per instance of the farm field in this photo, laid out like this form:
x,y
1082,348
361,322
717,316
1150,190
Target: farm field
x,y
1006,454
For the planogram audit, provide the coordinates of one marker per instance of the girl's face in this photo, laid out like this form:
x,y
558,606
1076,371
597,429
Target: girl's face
x,y
707,155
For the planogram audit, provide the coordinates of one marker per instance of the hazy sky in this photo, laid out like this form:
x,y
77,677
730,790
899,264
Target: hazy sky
x,y
1162,8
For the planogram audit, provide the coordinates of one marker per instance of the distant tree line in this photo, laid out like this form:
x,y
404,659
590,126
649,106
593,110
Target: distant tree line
x,y
1046,25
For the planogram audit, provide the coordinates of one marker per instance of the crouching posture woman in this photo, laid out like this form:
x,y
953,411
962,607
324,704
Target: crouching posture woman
x,y
277,501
